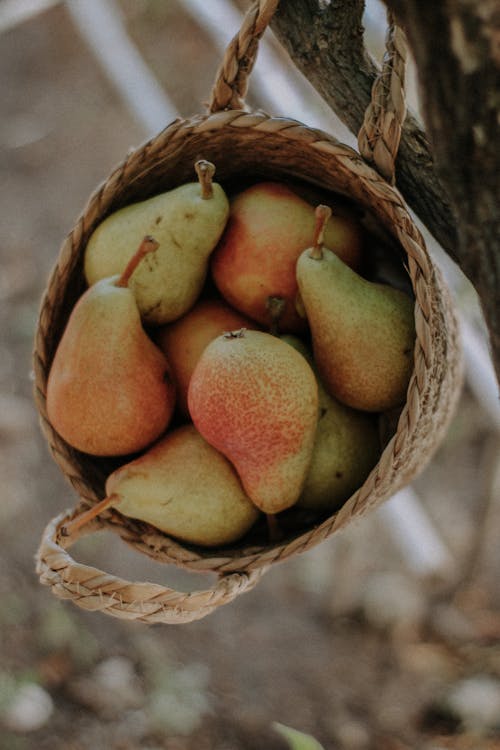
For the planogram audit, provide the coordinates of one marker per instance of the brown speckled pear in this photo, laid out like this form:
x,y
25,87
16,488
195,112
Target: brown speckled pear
x,y
363,333
109,391
187,223
182,486
269,226
254,398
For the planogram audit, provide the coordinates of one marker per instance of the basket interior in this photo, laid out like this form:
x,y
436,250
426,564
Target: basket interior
x,y
242,155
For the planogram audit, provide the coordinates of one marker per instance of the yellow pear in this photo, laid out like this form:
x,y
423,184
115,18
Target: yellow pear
x,y
182,486
187,222
363,333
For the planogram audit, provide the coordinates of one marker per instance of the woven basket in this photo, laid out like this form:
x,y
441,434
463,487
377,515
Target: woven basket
x,y
246,145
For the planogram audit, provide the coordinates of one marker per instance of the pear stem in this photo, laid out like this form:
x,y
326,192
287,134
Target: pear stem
x,y
239,334
323,214
87,515
148,245
275,307
205,171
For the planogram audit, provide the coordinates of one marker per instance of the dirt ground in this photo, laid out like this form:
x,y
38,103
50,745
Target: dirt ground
x,y
346,642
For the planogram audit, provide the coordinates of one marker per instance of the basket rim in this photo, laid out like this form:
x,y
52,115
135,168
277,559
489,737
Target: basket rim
x,y
425,279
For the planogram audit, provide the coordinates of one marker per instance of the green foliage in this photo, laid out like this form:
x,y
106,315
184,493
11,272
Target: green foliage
x,y
297,740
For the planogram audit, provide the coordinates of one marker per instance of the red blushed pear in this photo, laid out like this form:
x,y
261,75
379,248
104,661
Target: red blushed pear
x,y
110,391
255,399
184,340
268,228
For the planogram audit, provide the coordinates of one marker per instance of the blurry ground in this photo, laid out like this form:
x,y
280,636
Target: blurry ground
x,y
343,642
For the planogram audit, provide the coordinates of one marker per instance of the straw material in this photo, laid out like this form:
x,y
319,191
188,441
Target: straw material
x,y
243,146
379,136
231,81
91,589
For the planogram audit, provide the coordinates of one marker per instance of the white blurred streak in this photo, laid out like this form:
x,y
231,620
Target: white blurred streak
x,y
478,363
15,12
221,20
480,372
277,84
423,548
100,23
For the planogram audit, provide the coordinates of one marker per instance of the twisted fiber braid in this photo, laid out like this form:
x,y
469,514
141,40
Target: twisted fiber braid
x,y
241,143
91,589
231,80
379,136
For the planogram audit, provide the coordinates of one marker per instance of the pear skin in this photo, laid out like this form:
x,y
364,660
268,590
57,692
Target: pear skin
x,y
182,486
268,228
254,398
363,333
184,340
346,448
110,391
187,222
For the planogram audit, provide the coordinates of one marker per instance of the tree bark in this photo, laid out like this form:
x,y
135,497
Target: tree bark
x,y
456,46
449,172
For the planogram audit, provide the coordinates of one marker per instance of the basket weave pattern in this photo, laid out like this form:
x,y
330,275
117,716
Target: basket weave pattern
x,y
240,143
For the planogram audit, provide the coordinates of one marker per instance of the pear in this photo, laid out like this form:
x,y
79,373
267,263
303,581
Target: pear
x,y
187,222
363,333
184,340
109,390
182,486
269,226
254,398
346,448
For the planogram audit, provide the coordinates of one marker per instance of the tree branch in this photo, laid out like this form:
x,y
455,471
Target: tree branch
x,y
460,99
328,47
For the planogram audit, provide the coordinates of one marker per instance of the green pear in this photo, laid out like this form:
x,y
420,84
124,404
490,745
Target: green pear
x,y
363,333
346,448
110,390
182,486
187,222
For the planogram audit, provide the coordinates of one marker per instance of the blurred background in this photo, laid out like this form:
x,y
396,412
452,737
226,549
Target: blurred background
x,y
385,637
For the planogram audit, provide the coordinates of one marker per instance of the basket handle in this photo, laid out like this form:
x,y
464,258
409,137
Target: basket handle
x,y
380,133
231,80
92,589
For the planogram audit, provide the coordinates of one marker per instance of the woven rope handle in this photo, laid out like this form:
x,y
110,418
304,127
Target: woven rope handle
x,y
94,590
231,80
379,136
